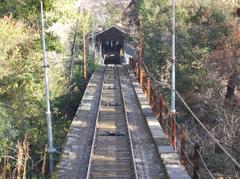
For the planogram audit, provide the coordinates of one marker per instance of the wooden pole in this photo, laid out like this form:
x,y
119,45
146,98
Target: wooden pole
x,y
44,162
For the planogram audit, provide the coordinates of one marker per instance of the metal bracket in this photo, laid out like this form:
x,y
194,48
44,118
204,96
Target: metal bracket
x,y
46,66
53,150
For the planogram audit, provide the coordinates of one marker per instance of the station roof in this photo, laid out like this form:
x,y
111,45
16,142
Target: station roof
x,y
112,33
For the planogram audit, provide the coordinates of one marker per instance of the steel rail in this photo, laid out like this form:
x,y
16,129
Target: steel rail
x,y
127,121
95,129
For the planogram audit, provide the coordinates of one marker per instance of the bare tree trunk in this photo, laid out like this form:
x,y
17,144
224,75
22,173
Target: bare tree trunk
x,y
26,154
19,160
73,49
4,164
44,162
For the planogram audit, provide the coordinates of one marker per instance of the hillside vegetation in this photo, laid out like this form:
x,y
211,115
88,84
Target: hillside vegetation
x,y
208,72
23,126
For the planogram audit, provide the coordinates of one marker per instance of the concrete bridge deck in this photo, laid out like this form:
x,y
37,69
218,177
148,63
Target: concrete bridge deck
x,y
151,157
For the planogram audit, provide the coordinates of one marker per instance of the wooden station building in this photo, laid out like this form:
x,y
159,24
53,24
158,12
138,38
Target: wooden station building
x,y
110,45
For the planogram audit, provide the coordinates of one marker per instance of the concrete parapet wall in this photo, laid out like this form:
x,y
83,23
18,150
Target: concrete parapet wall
x,y
74,159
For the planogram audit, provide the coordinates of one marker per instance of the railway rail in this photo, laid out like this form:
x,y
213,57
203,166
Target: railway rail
x,y
112,154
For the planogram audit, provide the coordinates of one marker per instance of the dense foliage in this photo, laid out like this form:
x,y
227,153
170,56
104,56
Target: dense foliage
x,y
208,75
23,128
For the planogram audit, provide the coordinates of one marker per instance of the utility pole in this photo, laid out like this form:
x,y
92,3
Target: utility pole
x,y
173,89
173,107
48,111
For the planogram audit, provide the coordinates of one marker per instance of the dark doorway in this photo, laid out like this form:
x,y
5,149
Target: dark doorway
x,y
112,51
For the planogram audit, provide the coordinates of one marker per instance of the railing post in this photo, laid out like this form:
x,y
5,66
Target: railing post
x,y
155,100
149,90
151,96
133,66
196,162
173,130
145,84
141,77
137,69
166,115
160,109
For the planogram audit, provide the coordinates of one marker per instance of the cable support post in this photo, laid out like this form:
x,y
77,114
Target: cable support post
x,y
173,101
196,162
48,111
52,151
46,66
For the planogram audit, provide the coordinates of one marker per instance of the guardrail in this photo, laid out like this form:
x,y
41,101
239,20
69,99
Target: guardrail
x,y
176,134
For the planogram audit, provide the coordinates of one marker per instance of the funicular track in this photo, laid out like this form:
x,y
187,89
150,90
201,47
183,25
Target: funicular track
x,y
115,134
112,153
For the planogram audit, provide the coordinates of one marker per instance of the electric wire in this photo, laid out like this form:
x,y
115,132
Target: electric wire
x,y
205,165
188,159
